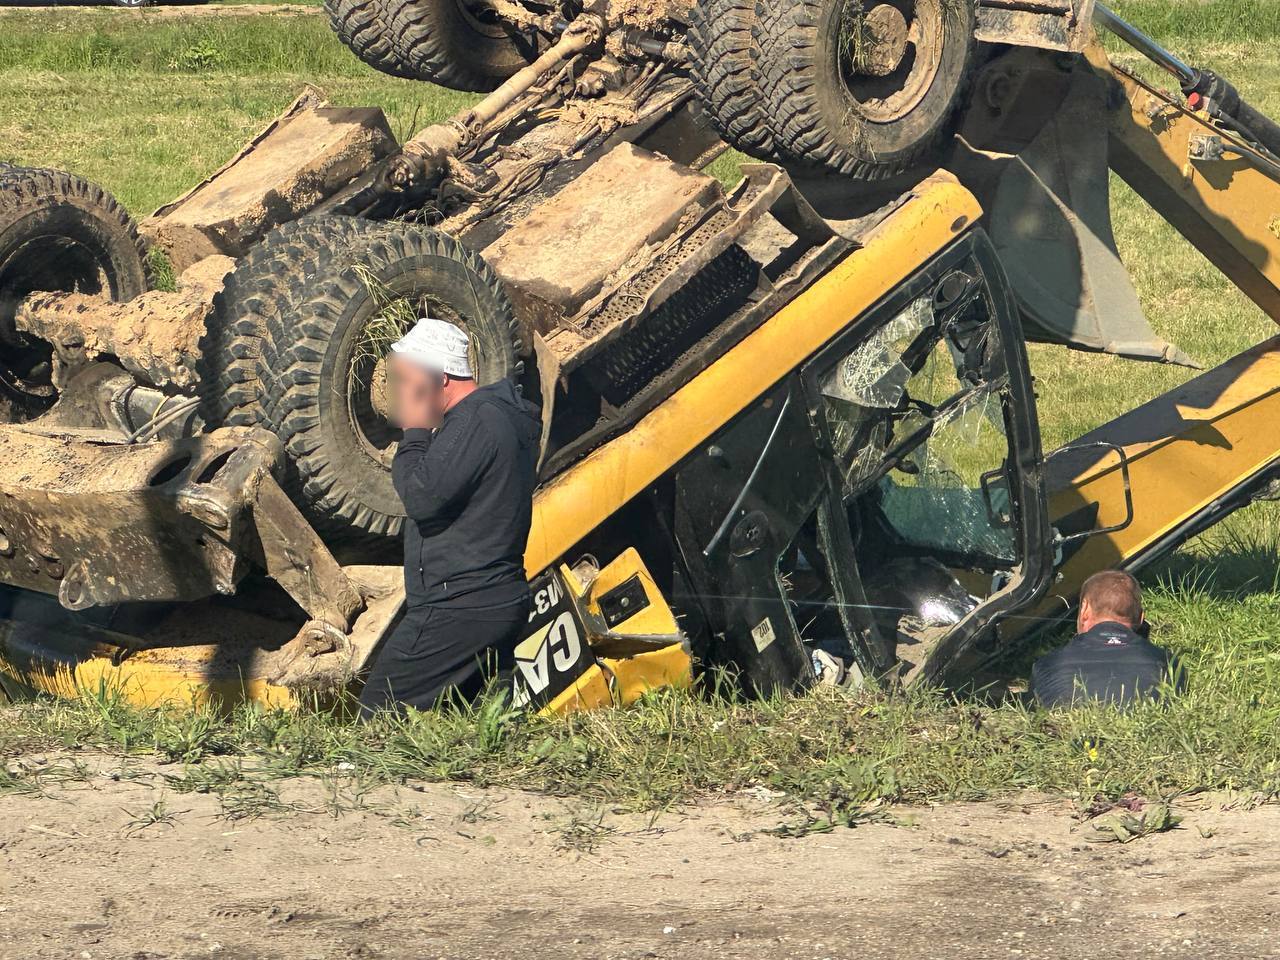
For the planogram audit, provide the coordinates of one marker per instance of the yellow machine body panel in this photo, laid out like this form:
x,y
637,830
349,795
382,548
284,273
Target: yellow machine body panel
x,y
587,494
169,676
1198,177
640,651
1185,450
617,682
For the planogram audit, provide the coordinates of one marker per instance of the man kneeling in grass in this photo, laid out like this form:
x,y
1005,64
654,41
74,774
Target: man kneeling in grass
x,y
1110,659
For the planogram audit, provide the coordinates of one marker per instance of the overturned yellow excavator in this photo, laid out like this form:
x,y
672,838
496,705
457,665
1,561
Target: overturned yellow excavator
x,y
788,427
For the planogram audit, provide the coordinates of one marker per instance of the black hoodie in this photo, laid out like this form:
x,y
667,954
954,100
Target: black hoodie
x,y
467,489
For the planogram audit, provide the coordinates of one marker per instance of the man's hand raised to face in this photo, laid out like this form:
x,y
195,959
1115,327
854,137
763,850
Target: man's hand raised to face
x,y
417,394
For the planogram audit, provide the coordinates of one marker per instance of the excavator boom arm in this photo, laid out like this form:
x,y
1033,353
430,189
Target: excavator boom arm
x,y
1174,466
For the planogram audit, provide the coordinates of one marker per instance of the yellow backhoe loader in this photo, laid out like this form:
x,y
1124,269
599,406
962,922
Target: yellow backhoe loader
x,y
789,429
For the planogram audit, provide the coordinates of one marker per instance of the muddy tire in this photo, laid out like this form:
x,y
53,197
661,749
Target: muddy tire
x,y
724,51
57,232
445,42
364,27
321,365
258,288
866,88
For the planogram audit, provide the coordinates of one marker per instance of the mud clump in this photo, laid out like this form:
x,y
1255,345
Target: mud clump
x,y
155,336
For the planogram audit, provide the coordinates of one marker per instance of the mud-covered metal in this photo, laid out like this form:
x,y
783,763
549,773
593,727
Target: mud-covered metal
x,y
294,556
101,523
1063,25
97,523
154,336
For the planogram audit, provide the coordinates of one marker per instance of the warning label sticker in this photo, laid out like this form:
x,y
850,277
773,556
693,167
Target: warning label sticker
x,y
762,633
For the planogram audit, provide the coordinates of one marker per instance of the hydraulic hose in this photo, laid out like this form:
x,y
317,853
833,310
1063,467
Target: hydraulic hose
x,y
1203,89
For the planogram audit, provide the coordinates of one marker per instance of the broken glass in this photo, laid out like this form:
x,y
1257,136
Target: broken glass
x,y
874,375
916,425
865,386
937,501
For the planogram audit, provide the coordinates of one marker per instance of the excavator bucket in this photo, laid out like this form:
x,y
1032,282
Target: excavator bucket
x,y
1050,219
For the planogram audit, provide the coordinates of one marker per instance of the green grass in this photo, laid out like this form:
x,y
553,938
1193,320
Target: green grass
x,y
149,105
1202,21
287,42
827,749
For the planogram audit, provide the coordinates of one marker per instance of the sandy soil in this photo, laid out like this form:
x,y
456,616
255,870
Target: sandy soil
x,y
447,871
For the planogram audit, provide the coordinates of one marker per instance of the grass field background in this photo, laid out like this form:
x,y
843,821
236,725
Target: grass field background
x,y
148,103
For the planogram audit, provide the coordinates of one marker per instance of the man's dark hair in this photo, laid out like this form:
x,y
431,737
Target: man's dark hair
x,y
1114,594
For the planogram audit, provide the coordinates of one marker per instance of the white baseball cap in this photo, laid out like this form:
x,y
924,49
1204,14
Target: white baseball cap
x,y
437,345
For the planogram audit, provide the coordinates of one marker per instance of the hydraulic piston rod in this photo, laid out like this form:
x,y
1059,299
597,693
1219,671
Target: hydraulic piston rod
x,y
1204,89
1103,16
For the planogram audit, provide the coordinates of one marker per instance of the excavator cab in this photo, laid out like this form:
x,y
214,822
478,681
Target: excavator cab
x,y
878,509
872,513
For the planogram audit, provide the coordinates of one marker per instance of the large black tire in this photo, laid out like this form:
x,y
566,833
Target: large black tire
x,y
829,106
444,42
364,26
723,59
320,364
258,288
57,232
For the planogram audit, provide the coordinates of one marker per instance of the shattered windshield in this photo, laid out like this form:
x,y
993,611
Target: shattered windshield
x,y
875,375
916,419
915,424
935,497
864,387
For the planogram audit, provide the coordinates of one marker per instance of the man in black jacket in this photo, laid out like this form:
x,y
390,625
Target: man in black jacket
x,y
464,471
1109,659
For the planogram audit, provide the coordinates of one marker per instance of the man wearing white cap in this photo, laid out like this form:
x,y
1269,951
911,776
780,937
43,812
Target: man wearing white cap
x,y
464,471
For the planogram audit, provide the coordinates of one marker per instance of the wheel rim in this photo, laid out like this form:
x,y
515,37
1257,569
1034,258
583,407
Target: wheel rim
x,y
482,18
888,54
48,263
366,382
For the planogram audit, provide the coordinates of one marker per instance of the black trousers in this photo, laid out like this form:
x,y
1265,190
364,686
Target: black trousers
x,y
443,650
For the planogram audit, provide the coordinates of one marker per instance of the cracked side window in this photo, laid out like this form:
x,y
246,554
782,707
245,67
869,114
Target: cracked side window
x,y
865,386
916,420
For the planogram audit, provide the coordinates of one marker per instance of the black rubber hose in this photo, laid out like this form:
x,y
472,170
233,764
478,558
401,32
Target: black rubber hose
x,y
1224,99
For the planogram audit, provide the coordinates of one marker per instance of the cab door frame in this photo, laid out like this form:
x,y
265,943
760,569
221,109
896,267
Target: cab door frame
x,y
1025,477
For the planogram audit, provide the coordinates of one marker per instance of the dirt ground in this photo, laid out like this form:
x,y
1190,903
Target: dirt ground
x,y
92,868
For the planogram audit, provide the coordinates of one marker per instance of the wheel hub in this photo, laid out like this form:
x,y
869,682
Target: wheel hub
x,y
890,55
885,41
